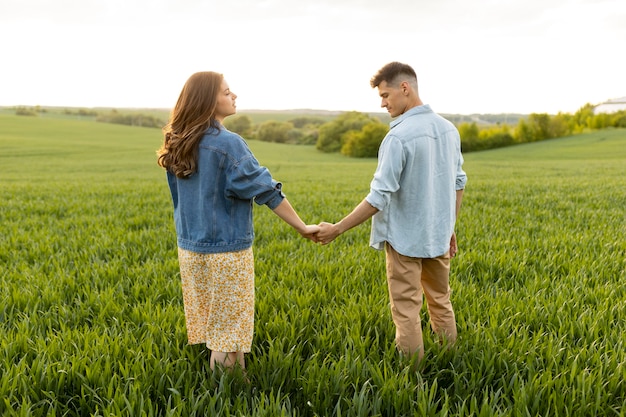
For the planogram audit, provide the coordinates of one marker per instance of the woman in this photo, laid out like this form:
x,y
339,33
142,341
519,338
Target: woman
x,y
213,178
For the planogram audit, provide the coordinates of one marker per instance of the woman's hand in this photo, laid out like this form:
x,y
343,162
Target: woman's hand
x,y
310,232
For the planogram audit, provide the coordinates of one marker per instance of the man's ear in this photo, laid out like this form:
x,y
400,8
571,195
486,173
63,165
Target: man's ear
x,y
405,87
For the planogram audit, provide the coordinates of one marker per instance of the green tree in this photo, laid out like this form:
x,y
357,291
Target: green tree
x,y
619,119
469,133
306,130
273,131
25,111
539,126
522,132
364,143
306,121
241,125
582,119
332,134
309,137
294,136
601,121
495,137
559,125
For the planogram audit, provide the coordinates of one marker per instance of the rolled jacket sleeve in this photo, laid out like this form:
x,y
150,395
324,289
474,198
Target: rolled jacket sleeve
x,y
249,180
271,198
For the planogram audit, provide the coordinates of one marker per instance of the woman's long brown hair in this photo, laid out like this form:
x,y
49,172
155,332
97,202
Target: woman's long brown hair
x,y
191,117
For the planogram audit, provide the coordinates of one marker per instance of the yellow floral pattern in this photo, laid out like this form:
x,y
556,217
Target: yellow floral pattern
x,y
218,297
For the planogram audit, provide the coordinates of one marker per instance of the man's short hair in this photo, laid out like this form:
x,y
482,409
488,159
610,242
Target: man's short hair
x,y
390,73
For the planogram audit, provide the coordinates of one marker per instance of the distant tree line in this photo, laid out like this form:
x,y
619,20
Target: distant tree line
x,y
537,127
81,112
36,110
26,111
357,134
352,133
29,111
302,130
131,119
113,116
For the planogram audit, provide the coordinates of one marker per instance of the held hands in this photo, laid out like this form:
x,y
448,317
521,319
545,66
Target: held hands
x,y
310,232
328,232
323,233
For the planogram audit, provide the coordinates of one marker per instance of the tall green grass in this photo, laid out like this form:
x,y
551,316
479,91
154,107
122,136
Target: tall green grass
x,y
91,317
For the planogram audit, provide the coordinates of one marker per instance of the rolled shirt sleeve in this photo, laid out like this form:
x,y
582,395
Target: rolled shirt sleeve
x,y
461,177
391,160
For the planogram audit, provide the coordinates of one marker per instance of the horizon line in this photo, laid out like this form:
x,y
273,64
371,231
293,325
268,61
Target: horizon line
x,y
252,110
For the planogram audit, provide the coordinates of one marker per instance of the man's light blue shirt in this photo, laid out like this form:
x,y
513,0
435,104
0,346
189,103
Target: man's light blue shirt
x,y
420,168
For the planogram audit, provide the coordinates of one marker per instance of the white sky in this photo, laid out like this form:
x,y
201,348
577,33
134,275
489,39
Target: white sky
x,y
479,56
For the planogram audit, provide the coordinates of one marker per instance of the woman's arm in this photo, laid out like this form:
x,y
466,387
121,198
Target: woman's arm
x,y
289,216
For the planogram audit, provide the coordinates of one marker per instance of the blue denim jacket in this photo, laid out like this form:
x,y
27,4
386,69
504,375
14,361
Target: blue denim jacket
x,y
414,186
213,207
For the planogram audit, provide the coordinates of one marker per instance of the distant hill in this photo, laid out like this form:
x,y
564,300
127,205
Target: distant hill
x,y
259,115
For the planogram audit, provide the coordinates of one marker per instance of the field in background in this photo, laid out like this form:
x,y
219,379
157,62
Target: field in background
x,y
91,308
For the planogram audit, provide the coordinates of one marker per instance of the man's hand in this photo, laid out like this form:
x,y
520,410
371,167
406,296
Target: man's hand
x,y
453,247
327,233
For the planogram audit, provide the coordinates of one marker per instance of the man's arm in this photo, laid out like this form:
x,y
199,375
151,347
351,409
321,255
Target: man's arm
x,y
328,231
453,244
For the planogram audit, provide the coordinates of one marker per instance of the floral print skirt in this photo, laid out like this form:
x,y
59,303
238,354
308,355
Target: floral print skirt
x,y
218,296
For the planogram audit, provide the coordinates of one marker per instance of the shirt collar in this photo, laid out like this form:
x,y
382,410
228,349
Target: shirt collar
x,y
425,108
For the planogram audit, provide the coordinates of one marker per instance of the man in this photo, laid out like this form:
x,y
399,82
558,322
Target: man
x,y
414,199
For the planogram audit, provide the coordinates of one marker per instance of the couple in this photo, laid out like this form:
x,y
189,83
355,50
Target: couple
x,y
213,177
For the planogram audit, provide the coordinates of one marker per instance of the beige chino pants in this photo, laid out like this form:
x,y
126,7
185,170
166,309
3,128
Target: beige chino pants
x,y
408,280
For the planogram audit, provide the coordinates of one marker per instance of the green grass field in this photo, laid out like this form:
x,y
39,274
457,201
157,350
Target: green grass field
x,y
91,311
